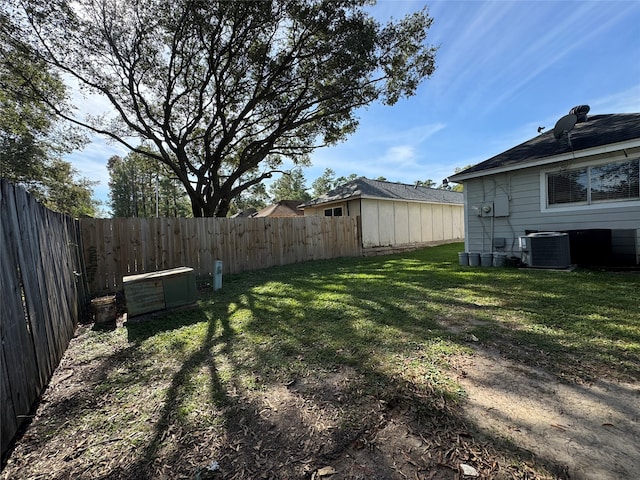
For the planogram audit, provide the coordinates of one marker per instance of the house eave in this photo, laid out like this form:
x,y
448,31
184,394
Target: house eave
x,y
329,202
410,200
603,149
373,197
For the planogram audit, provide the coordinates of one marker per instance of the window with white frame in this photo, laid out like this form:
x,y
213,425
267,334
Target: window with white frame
x,y
614,181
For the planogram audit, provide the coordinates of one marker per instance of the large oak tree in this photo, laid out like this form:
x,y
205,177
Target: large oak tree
x,y
225,90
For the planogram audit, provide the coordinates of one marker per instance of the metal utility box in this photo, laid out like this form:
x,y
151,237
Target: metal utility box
x,y
149,292
501,206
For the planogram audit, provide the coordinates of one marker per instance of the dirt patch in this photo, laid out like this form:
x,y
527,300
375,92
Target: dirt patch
x,y
306,428
328,425
581,431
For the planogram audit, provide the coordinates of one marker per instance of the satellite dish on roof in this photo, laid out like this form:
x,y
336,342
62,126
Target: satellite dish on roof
x,y
564,125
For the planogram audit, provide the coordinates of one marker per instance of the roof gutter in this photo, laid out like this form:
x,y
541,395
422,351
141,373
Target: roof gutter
x,y
412,200
373,197
612,147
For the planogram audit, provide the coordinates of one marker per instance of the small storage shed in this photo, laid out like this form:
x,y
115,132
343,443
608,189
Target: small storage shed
x,y
395,214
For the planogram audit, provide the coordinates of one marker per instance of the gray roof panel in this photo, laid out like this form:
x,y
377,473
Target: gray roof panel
x,y
363,187
597,131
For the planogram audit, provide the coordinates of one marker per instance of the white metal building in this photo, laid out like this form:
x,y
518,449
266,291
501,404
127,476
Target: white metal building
x,y
395,214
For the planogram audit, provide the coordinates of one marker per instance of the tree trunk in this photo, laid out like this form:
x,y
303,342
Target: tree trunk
x,y
223,208
196,208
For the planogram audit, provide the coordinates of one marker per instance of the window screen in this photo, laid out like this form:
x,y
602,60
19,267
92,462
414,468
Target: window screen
x,y
615,181
567,187
598,183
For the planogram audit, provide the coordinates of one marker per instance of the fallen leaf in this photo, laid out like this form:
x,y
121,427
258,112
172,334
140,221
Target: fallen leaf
x,y
326,471
468,470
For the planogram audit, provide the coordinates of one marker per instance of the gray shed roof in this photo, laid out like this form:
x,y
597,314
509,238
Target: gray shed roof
x,y
365,188
597,131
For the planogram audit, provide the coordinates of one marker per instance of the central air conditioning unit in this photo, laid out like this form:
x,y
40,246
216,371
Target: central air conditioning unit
x,y
545,250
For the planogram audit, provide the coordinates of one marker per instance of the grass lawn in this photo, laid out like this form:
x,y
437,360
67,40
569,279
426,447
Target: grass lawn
x,y
286,369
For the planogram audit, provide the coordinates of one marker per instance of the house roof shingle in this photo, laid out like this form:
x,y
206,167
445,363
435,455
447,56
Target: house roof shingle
x,y
284,208
365,188
597,131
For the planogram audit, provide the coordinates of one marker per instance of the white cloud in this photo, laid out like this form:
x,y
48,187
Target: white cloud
x,y
627,101
401,154
413,136
582,26
379,150
87,103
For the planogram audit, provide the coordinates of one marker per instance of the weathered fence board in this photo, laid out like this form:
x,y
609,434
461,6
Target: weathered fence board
x,y
114,248
42,298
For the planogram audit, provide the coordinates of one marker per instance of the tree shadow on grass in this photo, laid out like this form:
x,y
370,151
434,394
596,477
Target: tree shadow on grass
x,y
291,369
323,395
320,335
580,327
254,441
167,420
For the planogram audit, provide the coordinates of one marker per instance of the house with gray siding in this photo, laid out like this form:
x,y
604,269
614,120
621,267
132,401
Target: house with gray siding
x,y
394,215
581,178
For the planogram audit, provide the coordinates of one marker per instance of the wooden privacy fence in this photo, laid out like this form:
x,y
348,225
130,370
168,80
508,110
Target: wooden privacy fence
x,y
42,298
117,247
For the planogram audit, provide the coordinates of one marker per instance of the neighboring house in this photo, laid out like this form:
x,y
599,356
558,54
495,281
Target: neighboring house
x,y
284,208
581,179
249,212
395,214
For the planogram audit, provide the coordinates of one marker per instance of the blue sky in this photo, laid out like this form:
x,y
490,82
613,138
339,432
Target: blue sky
x,y
503,69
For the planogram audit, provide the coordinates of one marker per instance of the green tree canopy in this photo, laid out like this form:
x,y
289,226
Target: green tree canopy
x,y
290,186
459,187
142,187
32,140
224,90
349,178
324,183
426,183
328,181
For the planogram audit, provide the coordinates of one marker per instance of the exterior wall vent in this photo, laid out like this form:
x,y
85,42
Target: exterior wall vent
x,y
545,250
